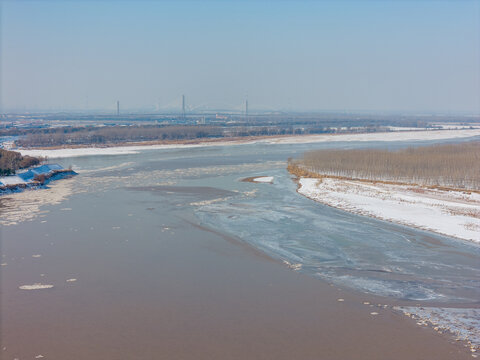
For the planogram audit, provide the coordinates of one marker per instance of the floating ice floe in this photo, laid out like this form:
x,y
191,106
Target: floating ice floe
x,y
250,193
71,280
292,266
264,179
36,286
207,202
27,205
36,256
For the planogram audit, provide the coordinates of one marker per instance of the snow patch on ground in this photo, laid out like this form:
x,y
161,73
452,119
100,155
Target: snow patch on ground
x,y
114,150
388,136
12,180
452,213
401,128
66,153
457,126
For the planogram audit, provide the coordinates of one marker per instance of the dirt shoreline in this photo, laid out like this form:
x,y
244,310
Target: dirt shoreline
x,y
252,179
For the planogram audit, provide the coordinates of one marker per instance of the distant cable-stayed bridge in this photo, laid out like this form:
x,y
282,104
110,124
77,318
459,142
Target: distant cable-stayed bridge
x,y
182,103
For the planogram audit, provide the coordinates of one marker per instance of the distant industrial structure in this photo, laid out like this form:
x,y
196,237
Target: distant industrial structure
x,y
246,110
118,108
183,107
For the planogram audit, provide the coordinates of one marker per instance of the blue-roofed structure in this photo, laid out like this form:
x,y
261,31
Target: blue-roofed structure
x,y
27,176
46,169
39,175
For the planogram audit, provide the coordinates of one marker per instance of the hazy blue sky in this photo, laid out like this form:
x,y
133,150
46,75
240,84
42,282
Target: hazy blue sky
x,y
311,55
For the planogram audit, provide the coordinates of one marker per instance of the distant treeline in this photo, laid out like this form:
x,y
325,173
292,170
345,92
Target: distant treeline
x,y
135,133
451,165
10,161
114,134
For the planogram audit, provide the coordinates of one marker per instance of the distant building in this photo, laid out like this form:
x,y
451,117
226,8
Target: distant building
x,y
29,175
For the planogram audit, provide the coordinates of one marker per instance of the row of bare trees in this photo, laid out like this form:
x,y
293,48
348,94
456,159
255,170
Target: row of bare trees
x,y
451,165
116,134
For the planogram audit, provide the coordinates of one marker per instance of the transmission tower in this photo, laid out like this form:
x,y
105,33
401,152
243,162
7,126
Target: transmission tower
x,y
183,107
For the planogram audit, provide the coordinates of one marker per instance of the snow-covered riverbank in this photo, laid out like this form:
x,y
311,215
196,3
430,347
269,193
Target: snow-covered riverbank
x,y
452,213
304,139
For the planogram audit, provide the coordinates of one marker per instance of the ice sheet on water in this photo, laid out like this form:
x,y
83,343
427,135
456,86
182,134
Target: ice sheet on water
x,y
463,323
359,252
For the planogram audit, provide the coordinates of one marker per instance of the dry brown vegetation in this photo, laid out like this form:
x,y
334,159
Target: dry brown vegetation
x,y
296,168
10,161
451,165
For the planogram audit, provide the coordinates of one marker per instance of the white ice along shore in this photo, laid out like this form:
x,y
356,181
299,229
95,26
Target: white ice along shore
x,y
305,139
463,323
451,213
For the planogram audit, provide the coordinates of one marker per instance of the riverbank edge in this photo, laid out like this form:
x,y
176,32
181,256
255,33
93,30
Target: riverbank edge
x,y
444,331
248,139
34,185
298,173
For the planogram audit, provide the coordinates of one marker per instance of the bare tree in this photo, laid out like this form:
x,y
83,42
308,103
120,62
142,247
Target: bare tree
x,y
453,165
